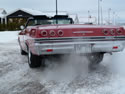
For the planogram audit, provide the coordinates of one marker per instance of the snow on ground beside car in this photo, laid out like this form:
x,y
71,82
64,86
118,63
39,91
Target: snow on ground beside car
x,y
68,75
8,36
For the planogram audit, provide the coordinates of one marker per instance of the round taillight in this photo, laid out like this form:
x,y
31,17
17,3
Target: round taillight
x,y
119,31
44,33
60,33
52,33
112,32
105,32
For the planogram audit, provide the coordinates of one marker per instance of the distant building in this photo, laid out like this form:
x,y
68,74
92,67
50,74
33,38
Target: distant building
x,y
21,15
87,20
2,15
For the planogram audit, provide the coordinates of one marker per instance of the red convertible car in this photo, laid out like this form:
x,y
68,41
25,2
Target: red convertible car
x,y
43,36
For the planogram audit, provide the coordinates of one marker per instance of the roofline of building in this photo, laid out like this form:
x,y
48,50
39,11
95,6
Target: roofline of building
x,y
17,10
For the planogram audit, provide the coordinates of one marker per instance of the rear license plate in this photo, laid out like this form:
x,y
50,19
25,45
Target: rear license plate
x,y
83,48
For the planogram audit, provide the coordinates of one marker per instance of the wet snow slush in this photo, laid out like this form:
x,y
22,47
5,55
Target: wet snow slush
x,y
68,75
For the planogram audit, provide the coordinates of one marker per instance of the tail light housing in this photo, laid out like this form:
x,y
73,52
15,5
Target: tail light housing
x,y
60,33
119,31
105,32
52,33
44,33
112,31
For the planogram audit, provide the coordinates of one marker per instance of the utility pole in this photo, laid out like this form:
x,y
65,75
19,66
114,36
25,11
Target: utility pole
x,y
56,7
101,16
88,16
56,11
114,18
99,11
109,20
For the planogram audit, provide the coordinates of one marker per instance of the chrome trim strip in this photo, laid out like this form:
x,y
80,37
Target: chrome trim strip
x,y
81,39
83,32
87,37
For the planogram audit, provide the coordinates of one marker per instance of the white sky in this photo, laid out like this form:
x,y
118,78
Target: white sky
x,y
76,6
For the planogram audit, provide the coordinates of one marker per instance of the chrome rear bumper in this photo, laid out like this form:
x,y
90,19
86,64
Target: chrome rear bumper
x,y
78,47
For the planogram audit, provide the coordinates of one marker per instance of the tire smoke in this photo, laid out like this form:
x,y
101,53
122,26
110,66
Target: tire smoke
x,y
66,68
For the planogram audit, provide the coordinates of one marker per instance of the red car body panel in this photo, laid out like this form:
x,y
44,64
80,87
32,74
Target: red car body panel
x,y
71,30
27,36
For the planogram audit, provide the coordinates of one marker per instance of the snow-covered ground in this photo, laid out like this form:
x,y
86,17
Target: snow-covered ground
x,y
8,36
70,75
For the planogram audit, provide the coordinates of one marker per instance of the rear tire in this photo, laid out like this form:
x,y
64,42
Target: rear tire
x,y
34,61
95,59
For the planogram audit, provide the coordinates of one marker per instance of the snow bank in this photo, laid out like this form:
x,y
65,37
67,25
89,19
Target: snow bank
x,y
8,36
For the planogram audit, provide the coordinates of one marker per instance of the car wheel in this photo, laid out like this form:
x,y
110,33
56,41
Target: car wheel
x,y
34,61
95,59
